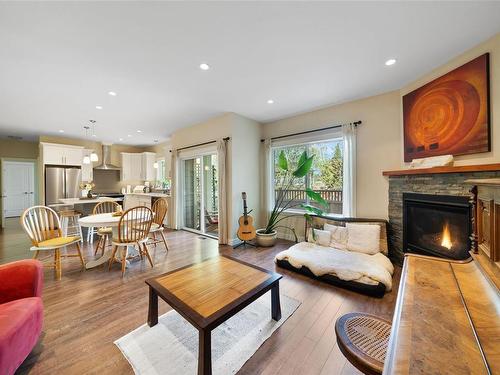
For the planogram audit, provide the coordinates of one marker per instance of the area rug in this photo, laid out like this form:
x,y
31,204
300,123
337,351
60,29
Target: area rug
x,y
171,347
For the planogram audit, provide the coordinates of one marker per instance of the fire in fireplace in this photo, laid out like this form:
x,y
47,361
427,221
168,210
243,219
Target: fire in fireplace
x,y
438,225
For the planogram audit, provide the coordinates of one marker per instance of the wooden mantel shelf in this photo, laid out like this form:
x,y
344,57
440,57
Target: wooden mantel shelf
x,y
451,169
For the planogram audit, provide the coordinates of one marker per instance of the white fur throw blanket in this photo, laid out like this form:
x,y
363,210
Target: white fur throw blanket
x,y
346,265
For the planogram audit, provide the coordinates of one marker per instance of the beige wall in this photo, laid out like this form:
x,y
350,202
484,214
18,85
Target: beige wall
x,y
18,149
242,161
493,47
380,137
246,170
378,143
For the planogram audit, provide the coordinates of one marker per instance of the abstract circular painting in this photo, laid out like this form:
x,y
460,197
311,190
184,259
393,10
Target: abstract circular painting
x,y
449,115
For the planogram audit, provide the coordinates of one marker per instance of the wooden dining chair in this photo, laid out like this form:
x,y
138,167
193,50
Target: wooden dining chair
x,y
133,229
44,229
104,233
160,209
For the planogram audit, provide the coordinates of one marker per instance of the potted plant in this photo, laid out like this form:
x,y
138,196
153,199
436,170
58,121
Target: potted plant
x,y
285,201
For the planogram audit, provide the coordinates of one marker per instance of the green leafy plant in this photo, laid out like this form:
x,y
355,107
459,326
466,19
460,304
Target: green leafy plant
x,y
284,201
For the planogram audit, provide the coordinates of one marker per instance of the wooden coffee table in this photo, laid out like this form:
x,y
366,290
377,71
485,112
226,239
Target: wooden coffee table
x,y
208,293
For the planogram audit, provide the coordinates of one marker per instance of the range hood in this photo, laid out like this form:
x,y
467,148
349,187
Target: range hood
x,y
106,160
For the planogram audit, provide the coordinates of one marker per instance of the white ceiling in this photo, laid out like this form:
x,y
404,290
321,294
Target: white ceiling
x,y
58,60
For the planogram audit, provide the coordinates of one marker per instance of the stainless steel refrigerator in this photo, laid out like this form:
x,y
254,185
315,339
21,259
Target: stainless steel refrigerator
x,y
62,182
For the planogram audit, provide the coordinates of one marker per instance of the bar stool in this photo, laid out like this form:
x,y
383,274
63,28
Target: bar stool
x,y
70,223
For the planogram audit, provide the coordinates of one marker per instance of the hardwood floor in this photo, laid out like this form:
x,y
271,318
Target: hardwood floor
x,y
87,311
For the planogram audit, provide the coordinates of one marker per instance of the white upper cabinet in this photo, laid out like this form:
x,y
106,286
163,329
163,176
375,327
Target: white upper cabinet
x,y
148,169
61,154
138,166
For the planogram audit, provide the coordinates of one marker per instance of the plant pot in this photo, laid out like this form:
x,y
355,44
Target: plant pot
x,y
265,239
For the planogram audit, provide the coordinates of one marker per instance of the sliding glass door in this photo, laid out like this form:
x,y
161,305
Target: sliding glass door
x,y
200,200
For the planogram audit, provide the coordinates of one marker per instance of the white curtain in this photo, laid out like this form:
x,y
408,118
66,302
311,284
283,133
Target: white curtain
x,y
267,193
221,168
349,173
174,190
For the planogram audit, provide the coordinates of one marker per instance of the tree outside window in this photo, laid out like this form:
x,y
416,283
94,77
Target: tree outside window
x,y
325,177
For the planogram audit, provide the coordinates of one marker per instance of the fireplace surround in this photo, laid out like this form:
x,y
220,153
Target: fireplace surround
x,y
437,225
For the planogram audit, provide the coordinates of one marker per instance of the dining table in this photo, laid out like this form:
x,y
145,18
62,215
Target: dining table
x,y
105,220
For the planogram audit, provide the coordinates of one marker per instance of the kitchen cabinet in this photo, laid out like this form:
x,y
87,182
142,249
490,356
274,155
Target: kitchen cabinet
x,y
136,200
138,166
58,154
87,169
148,169
145,199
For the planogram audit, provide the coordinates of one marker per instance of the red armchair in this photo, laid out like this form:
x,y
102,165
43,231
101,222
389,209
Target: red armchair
x,y
21,312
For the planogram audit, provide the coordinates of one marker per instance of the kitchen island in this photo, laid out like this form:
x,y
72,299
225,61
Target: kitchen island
x,y
145,199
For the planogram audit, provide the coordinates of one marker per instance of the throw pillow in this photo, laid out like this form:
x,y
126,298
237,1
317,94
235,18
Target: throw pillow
x,y
322,237
338,239
363,238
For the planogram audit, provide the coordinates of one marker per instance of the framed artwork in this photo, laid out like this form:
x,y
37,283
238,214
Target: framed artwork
x,y
450,115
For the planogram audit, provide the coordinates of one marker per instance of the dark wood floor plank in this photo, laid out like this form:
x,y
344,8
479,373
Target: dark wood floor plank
x,y
87,311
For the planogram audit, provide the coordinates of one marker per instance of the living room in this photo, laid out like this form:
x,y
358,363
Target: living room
x,y
249,187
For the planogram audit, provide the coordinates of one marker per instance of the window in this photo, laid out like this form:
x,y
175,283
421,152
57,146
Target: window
x,y
325,177
160,171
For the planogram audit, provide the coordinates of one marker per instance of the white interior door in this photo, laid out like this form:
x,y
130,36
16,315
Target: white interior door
x,y
18,187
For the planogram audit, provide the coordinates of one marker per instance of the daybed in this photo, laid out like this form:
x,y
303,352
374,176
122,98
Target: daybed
x,y
347,252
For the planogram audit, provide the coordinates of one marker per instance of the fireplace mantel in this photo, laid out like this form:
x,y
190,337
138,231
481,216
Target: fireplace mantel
x,y
443,170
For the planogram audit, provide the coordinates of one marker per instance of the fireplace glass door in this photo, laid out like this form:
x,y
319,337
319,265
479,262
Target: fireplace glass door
x,y
439,228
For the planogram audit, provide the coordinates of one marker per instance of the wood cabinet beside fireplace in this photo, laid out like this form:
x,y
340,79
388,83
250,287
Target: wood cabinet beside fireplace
x,y
487,218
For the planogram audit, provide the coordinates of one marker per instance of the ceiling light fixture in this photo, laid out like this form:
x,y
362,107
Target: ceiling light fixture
x,y
61,131
270,101
121,139
139,131
129,135
98,107
204,66
112,93
390,62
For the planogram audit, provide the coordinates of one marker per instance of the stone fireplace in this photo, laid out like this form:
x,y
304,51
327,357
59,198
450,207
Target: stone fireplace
x,y
441,181
437,225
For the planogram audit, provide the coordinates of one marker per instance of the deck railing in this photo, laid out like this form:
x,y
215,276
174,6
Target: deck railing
x,y
329,195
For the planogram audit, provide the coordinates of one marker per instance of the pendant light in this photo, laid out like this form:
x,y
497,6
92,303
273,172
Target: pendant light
x,y
93,156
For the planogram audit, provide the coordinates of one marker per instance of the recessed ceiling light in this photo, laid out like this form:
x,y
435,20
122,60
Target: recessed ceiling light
x,y
129,135
139,131
121,139
61,131
112,93
204,66
98,107
270,101
390,62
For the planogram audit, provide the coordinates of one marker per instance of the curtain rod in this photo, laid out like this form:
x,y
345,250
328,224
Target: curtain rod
x,y
201,144
355,123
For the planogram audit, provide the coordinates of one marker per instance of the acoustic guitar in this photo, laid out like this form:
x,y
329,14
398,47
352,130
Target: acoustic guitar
x,y
246,231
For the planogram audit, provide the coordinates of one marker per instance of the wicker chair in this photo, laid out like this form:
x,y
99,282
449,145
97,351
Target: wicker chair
x,y
43,227
133,229
160,208
105,207
363,339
